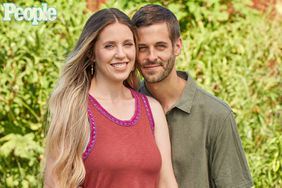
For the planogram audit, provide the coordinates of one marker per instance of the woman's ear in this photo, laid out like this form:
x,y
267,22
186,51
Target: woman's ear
x,y
91,57
91,54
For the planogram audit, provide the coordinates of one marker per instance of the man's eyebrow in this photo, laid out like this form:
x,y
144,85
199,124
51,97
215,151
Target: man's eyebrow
x,y
162,43
142,44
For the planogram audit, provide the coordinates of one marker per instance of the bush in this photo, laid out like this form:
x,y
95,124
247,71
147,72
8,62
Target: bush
x,y
30,59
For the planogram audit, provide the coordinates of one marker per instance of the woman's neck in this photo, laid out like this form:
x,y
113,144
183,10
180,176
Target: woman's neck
x,y
108,90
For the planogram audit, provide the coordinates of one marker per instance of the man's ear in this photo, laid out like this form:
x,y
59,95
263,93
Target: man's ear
x,y
178,46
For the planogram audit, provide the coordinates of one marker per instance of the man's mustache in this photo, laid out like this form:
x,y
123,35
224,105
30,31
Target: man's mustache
x,y
152,63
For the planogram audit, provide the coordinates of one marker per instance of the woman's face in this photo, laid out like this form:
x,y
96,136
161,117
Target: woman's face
x,y
114,53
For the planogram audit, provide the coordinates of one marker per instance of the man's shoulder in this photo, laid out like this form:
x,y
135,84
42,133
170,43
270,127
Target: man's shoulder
x,y
142,89
211,104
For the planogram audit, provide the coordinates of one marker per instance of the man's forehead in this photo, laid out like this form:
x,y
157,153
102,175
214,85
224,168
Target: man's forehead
x,y
155,32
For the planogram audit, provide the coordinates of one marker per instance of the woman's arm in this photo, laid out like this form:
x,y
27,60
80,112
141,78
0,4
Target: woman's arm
x,y
167,178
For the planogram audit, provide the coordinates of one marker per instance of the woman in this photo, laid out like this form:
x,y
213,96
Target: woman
x,y
126,144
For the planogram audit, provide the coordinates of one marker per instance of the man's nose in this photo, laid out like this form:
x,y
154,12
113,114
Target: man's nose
x,y
152,56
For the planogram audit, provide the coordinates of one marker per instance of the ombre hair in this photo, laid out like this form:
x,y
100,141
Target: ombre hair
x,y
69,131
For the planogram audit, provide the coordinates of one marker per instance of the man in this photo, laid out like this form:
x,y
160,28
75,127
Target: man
x,y
206,147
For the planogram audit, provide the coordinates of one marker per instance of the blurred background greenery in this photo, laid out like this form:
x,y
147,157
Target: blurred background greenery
x,y
232,48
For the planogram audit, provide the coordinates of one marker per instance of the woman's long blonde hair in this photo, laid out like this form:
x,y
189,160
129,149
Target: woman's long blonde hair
x,y
69,131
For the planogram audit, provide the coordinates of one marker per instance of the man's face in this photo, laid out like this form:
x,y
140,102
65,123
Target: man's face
x,y
156,58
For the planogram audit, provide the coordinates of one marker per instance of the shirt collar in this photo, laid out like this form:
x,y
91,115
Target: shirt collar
x,y
185,101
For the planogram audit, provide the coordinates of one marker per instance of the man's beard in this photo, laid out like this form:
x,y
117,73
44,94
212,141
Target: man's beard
x,y
167,68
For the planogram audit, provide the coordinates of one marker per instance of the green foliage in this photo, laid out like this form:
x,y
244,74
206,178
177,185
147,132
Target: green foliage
x,y
30,59
235,56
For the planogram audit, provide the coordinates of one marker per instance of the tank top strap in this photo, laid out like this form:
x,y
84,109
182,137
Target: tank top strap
x,y
148,110
92,139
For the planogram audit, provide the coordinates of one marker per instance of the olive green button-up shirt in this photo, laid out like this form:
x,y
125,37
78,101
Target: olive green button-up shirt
x,y
206,147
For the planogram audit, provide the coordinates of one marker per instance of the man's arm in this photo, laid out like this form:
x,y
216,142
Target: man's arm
x,y
227,159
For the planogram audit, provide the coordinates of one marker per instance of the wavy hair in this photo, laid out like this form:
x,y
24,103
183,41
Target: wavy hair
x,y
69,131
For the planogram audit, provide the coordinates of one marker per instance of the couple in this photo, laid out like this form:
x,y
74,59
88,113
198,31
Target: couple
x,y
105,134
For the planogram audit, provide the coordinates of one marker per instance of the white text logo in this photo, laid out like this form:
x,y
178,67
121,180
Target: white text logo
x,y
30,14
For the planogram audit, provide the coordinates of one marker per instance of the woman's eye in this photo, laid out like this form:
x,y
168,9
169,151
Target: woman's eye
x,y
109,46
128,44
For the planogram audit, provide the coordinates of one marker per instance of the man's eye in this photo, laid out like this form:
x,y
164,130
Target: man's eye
x,y
161,47
142,49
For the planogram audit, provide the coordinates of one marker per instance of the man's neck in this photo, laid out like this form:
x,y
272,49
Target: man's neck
x,y
168,91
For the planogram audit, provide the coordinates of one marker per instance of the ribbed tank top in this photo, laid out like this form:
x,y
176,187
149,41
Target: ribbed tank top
x,y
121,154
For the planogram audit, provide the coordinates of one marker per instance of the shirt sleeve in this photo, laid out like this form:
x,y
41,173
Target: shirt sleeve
x,y
228,164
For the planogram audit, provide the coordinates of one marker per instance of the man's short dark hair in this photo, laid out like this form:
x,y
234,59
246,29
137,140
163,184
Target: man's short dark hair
x,y
154,14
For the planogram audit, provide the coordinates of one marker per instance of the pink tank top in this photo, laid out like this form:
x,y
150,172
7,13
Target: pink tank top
x,y
121,154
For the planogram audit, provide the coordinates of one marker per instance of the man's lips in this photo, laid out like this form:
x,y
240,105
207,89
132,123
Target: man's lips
x,y
151,65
